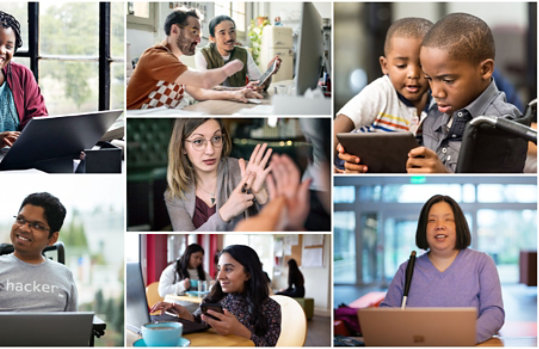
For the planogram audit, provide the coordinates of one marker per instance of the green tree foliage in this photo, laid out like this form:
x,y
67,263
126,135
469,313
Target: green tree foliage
x,y
71,29
73,235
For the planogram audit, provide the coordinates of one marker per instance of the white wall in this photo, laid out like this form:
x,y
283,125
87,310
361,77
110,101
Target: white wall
x,y
318,282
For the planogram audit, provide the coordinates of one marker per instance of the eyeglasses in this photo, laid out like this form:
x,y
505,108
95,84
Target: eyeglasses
x,y
200,143
20,220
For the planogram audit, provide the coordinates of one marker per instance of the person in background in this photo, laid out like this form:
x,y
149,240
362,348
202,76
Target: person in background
x,y
450,274
20,96
296,282
242,291
184,273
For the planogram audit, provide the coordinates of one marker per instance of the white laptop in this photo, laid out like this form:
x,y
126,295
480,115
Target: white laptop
x,y
418,326
46,329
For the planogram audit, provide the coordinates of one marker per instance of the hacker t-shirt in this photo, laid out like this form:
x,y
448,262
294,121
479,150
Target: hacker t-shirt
x,y
44,287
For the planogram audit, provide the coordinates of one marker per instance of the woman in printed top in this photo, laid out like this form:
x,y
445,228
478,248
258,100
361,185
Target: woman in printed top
x,y
207,189
20,97
241,290
184,273
450,274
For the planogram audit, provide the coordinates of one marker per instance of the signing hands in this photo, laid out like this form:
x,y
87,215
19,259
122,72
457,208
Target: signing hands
x,y
284,181
7,138
227,324
257,165
239,200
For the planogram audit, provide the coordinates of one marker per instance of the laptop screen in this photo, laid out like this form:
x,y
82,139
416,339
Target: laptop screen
x,y
136,304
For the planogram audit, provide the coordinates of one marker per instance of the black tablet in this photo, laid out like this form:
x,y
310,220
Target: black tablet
x,y
382,152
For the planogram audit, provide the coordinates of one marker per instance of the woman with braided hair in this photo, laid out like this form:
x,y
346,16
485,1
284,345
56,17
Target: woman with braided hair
x,y
20,96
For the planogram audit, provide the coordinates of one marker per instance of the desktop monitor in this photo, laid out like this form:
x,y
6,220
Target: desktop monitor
x,y
310,49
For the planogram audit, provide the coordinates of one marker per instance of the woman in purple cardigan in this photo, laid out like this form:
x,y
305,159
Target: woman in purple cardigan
x,y
450,274
20,97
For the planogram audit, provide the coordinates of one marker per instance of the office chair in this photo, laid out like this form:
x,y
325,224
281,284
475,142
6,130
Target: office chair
x,y
293,322
497,145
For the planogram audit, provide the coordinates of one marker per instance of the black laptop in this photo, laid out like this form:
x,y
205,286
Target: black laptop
x,y
51,143
137,305
72,329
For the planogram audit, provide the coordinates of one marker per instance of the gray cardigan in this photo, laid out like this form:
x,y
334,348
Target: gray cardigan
x,y
181,211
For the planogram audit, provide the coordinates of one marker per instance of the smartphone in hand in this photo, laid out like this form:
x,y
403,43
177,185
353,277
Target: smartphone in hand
x,y
213,306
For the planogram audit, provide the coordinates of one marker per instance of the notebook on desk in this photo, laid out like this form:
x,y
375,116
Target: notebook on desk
x,y
418,326
137,305
72,329
55,137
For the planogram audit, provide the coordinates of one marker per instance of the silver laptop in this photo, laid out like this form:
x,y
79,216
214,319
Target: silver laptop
x,y
418,326
45,140
46,329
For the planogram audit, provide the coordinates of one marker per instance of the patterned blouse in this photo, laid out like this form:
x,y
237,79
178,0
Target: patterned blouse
x,y
237,305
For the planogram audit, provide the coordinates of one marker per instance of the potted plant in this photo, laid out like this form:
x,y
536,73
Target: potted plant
x,y
255,36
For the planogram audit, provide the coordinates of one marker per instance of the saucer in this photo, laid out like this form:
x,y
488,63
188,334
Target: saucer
x,y
183,342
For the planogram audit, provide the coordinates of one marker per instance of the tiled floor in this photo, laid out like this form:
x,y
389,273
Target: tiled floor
x,y
319,332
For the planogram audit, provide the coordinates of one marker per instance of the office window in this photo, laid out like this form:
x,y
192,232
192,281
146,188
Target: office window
x,y
344,240
142,15
78,58
237,11
506,193
497,230
344,194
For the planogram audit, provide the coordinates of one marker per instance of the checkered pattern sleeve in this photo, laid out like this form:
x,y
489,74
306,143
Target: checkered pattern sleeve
x,y
153,82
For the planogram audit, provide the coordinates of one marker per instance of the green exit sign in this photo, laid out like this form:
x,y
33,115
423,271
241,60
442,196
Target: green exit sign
x,y
418,180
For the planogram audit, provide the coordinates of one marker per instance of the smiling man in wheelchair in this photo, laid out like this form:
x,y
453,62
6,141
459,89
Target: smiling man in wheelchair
x,y
28,280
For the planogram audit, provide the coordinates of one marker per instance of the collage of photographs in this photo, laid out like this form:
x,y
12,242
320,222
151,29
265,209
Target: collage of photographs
x,y
268,173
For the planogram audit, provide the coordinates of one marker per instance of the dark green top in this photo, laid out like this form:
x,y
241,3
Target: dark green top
x,y
215,60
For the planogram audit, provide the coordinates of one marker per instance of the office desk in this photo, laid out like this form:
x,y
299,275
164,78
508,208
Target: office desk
x,y
174,298
509,342
208,338
223,107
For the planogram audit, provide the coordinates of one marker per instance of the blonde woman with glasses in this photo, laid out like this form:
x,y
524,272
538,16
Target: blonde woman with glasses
x,y
207,189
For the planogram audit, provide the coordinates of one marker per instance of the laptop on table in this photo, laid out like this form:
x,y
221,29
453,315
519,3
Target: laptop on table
x,y
72,329
418,326
137,305
51,143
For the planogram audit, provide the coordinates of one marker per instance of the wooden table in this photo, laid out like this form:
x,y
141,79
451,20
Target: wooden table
x,y
208,338
223,107
190,299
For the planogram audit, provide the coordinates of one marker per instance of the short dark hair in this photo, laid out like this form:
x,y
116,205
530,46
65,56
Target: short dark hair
x,y
463,36
55,212
461,225
179,17
8,21
409,27
214,22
